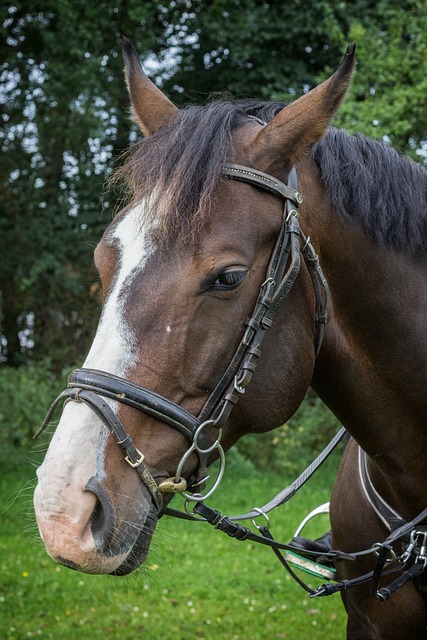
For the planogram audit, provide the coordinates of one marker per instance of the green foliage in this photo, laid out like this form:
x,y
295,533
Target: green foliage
x,y
388,97
253,49
64,118
26,393
290,448
56,139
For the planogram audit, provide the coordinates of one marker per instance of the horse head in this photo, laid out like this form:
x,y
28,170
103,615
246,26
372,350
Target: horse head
x,y
182,268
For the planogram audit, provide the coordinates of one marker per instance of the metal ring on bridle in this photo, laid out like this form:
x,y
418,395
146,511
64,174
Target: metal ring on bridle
x,y
261,513
196,448
378,545
199,497
197,435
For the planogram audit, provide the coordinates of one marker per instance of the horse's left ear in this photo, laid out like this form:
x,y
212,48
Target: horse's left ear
x,y
152,109
298,126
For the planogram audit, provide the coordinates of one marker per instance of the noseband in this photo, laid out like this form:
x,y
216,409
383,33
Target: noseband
x,y
93,387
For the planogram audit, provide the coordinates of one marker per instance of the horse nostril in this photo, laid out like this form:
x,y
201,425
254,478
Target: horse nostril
x,y
97,519
102,517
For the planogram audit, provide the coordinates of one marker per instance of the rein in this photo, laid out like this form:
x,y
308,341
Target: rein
x,y
93,387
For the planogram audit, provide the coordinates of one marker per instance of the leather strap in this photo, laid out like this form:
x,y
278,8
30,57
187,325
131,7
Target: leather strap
x,y
280,277
263,180
285,494
241,533
135,396
383,510
132,455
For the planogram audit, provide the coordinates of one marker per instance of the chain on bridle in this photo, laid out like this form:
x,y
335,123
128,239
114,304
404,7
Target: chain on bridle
x,y
93,387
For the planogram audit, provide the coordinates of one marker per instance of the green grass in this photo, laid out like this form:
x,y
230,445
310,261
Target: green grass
x,y
197,582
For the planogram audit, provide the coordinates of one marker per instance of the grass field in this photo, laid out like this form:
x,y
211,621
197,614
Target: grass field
x,y
197,583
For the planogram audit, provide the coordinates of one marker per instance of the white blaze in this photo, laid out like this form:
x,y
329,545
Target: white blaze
x,y
114,349
76,452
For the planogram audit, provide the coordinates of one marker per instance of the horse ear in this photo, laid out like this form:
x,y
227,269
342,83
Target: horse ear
x,y
152,109
298,126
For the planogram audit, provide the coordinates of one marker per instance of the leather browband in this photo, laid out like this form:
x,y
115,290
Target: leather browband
x,y
263,180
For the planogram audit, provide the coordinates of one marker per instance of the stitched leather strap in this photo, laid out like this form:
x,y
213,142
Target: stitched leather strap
x,y
135,396
263,180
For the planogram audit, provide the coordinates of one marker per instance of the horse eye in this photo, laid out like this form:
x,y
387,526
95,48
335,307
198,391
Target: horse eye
x,y
229,279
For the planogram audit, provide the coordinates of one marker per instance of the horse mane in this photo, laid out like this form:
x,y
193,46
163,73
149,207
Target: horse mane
x,y
175,174
369,182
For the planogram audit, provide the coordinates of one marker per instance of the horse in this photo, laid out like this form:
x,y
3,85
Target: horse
x,y
203,267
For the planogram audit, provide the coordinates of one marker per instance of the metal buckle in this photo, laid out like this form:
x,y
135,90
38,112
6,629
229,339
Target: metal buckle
x,y
138,462
238,387
292,212
307,243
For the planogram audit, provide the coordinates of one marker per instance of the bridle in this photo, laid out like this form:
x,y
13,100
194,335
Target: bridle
x,y
93,387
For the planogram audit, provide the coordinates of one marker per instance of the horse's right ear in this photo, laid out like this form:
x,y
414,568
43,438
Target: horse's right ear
x,y
297,127
151,108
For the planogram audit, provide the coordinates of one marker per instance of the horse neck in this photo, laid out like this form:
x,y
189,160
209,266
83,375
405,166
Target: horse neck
x,y
371,370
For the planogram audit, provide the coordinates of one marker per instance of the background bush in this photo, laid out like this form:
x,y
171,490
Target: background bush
x,y
26,394
291,447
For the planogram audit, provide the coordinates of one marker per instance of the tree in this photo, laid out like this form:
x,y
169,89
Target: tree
x,y
388,97
64,117
64,111
255,49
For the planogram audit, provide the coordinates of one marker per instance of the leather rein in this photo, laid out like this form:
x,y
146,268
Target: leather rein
x,y
94,388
